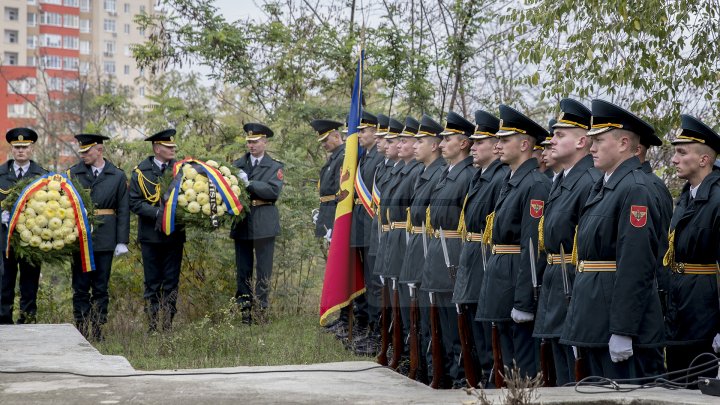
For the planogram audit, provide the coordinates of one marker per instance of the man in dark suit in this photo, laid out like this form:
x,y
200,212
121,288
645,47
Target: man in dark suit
x,y
161,254
21,166
109,193
255,234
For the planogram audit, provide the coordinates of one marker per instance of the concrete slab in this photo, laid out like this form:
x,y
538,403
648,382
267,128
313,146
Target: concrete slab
x,y
56,348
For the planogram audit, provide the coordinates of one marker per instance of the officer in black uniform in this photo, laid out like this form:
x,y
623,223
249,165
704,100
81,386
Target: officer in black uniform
x,y
480,200
426,151
255,234
161,254
444,213
362,219
614,317
546,159
329,184
506,296
21,142
109,193
570,149
693,318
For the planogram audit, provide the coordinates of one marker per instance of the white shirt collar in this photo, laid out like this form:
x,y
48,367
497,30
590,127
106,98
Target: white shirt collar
x,y
606,177
693,190
99,169
24,167
566,171
451,167
256,160
157,163
555,176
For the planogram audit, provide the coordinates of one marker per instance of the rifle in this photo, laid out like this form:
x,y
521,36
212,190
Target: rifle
x,y
547,363
468,348
397,327
415,348
497,358
436,339
382,358
580,368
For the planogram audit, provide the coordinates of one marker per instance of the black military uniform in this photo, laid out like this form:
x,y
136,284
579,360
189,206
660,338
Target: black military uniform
x,y
109,193
414,258
567,197
507,284
693,318
255,234
480,201
361,232
29,273
161,254
329,183
444,211
614,291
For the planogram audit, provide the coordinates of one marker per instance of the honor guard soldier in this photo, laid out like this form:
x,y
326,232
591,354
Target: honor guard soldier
x,y
255,234
480,200
614,317
383,178
569,148
427,152
509,290
368,305
693,318
109,193
161,254
444,217
21,166
546,157
331,140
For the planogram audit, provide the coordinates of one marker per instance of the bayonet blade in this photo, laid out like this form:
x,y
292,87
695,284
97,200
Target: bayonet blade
x,y
444,248
424,240
533,270
563,269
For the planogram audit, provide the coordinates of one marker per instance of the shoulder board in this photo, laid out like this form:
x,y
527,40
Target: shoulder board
x,y
640,176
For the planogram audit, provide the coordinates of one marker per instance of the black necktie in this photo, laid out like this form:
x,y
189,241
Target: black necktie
x,y
20,173
162,167
95,173
255,163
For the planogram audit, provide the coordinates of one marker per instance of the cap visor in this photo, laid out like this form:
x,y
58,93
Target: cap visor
x,y
598,131
324,137
506,133
564,125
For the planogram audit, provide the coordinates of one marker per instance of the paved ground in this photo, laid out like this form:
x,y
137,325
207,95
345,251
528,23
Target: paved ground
x,y
56,348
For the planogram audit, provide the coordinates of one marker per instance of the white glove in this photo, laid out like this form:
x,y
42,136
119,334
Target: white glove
x,y
120,249
328,235
243,177
620,348
521,316
575,351
716,343
5,217
315,215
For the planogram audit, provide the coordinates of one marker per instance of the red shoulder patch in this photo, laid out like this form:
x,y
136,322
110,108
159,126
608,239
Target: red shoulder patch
x,y
536,208
280,174
638,215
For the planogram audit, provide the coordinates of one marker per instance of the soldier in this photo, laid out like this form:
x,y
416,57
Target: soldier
x,y
21,166
255,234
480,200
426,150
161,254
328,186
507,296
614,317
570,149
109,193
693,319
444,213
546,158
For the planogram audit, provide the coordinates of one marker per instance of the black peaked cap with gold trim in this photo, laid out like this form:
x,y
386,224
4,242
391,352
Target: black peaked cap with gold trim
x,y
457,125
607,116
573,114
486,125
429,127
694,130
21,136
513,122
165,138
551,131
87,141
412,126
256,131
325,127
395,128
383,124
367,120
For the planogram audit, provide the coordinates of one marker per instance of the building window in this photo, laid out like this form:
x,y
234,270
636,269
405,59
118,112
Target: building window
x,y
31,61
84,47
85,6
71,42
51,19
109,67
58,2
127,51
31,19
32,2
10,58
141,31
51,62
11,37
51,40
109,5
126,7
22,86
70,63
109,25
54,83
109,48
70,84
11,14
71,3
84,68
32,42
126,69
141,91
126,28
23,110
85,26
142,9
72,21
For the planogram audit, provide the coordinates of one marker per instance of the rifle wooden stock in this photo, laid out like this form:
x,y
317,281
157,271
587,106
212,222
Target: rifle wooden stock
x,y
580,367
397,332
415,349
497,357
382,358
437,356
468,349
547,364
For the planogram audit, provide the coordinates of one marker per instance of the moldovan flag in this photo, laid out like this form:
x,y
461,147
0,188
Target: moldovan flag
x,y
343,271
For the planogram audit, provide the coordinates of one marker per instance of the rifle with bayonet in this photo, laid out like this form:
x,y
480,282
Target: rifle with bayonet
x,y
498,367
417,355
397,326
547,363
580,367
436,343
382,358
